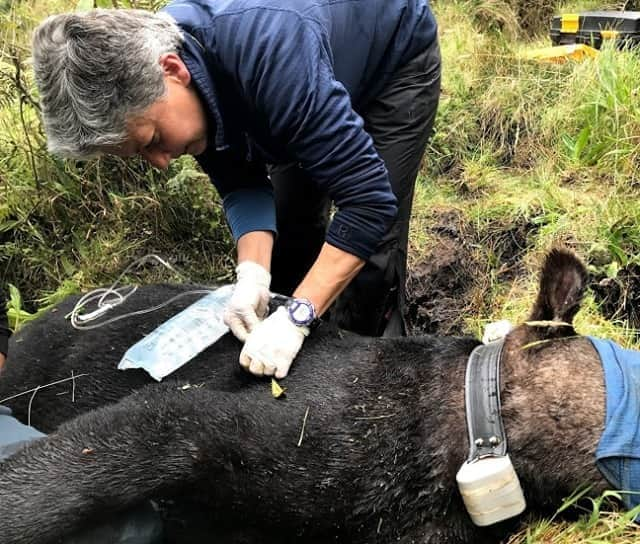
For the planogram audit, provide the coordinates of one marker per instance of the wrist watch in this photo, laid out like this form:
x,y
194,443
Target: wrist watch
x,y
301,312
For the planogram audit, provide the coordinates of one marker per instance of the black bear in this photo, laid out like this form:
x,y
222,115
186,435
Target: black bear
x,y
363,447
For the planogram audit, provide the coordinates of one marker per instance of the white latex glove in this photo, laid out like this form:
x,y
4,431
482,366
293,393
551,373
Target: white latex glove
x,y
249,301
273,344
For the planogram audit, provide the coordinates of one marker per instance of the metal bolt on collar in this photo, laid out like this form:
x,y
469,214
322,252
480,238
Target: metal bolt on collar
x,y
479,442
494,441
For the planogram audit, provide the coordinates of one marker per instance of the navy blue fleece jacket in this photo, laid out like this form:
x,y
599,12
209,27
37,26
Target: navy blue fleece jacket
x,y
282,81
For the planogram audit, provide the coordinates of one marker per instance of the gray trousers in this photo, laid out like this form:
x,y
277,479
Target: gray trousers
x,y
141,525
13,434
400,122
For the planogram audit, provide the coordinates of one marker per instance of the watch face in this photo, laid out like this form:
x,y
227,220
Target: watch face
x,y
301,312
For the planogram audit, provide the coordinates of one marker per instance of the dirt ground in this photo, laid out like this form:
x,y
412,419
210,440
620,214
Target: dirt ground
x,y
453,276
619,297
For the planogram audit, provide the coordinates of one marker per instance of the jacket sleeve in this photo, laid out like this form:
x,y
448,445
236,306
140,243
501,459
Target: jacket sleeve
x,y
4,325
283,66
247,195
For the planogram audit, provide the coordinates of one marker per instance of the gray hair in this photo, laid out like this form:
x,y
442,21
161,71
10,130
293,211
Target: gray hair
x,y
96,69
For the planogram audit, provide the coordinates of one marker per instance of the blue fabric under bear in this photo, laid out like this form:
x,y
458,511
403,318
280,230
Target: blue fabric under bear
x,y
618,452
13,434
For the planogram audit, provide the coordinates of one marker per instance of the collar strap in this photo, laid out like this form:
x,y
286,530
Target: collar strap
x,y
482,402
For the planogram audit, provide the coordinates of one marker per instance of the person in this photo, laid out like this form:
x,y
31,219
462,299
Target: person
x,y
290,108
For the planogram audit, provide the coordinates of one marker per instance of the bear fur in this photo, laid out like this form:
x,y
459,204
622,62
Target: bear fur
x,y
363,447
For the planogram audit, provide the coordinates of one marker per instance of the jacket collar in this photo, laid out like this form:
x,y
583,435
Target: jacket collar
x,y
194,56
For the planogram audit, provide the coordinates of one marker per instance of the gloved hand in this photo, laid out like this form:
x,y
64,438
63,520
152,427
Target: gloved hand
x,y
249,301
273,344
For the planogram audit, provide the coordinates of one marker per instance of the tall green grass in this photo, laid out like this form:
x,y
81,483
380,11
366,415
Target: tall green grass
x,y
551,146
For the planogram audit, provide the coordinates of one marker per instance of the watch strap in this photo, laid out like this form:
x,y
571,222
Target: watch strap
x,y
296,303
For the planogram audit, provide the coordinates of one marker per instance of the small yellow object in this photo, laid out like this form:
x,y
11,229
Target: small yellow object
x,y
562,53
570,23
609,34
276,390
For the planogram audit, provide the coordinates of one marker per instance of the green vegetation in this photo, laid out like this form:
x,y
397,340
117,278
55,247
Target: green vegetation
x,y
540,154
525,156
598,524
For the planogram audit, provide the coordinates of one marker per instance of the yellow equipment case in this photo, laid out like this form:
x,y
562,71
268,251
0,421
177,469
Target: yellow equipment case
x,y
594,27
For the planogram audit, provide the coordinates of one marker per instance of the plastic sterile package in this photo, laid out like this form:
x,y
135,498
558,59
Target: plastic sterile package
x,y
181,338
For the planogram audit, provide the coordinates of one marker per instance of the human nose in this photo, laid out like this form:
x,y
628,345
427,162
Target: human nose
x,y
159,159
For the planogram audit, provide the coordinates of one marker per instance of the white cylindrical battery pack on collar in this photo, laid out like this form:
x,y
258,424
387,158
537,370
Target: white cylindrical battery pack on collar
x,y
490,489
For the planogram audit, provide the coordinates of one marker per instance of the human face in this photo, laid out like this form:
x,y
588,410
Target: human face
x,y
173,125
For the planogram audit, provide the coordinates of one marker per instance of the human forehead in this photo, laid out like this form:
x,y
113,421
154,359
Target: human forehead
x,y
142,125
139,131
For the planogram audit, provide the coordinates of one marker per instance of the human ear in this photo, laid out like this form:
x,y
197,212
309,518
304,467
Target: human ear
x,y
173,67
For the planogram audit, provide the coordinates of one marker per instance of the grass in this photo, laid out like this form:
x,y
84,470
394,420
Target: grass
x,y
550,146
600,523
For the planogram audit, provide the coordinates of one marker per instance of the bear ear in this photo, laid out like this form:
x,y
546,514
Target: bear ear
x,y
562,286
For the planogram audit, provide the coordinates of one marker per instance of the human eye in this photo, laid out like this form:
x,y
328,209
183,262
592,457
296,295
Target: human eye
x,y
155,140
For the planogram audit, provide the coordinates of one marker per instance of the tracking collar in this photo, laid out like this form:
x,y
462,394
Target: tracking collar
x,y
482,402
487,481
